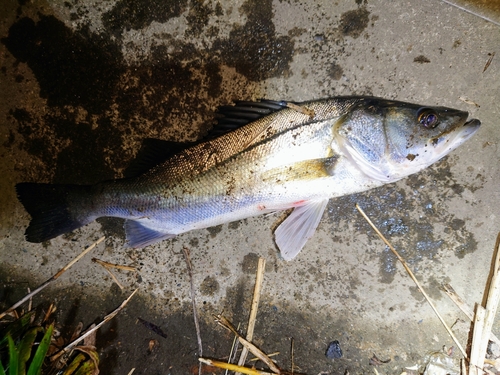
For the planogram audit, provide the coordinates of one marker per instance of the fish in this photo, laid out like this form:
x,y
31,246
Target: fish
x,y
266,156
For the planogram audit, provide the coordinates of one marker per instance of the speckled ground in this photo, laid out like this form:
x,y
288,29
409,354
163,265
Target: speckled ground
x,y
82,83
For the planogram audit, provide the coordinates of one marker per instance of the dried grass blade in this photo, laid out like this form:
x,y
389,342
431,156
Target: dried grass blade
x,y
255,305
231,367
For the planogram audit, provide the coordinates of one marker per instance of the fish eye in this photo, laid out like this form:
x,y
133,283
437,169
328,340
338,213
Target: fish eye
x,y
428,118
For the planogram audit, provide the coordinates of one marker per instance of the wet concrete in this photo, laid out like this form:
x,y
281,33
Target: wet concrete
x,y
83,84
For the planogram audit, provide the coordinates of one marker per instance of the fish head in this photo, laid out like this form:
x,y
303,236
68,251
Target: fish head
x,y
389,140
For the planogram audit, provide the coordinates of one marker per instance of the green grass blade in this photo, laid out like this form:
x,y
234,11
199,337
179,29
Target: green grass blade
x,y
41,352
25,347
16,329
13,357
2,370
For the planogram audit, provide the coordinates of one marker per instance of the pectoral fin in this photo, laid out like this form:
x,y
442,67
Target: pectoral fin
x,y
293,233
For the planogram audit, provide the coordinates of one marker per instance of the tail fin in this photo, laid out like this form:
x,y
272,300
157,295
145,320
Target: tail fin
x,y
52,209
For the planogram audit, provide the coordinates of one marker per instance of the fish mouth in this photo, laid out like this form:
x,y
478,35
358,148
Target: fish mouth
x,y
471,127
456,136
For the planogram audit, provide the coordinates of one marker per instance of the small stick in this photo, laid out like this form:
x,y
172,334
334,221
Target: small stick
x,y
193,300
465,100
407,268
106,319
251,347
131,371
491,305
30,303
255,305
465,308
113,265
475,351
234,348
53,278
231,367
114,278
492,55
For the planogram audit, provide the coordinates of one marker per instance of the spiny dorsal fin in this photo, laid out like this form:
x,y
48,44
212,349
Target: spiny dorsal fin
x,y
235,116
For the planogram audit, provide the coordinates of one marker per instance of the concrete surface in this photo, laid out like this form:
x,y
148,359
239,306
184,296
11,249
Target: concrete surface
x,y
82,82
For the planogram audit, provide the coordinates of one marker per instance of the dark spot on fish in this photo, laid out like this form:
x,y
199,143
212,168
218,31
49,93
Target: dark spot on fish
x,y
335,71
421,59
209,286
354,22
131,14
411,157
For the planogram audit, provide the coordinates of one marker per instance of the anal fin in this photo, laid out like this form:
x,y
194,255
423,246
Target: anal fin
x,y
293,233
139,235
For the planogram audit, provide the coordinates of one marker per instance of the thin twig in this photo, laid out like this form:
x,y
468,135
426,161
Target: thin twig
x,y
114,265
231,367
193,301
114,278
491,305
53,278
465,308
492,55
234,348
471,12
255,305
475,362
407,268
106,319
251,347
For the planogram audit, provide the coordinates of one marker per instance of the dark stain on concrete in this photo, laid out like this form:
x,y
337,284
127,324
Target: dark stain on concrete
x,y
249,264
253,48
214,231
71,68
209,286
335,72
198,16
407,218
421,59
354,22
131,14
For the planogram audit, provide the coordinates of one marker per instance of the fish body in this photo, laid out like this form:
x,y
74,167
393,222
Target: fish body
x,y
291,156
